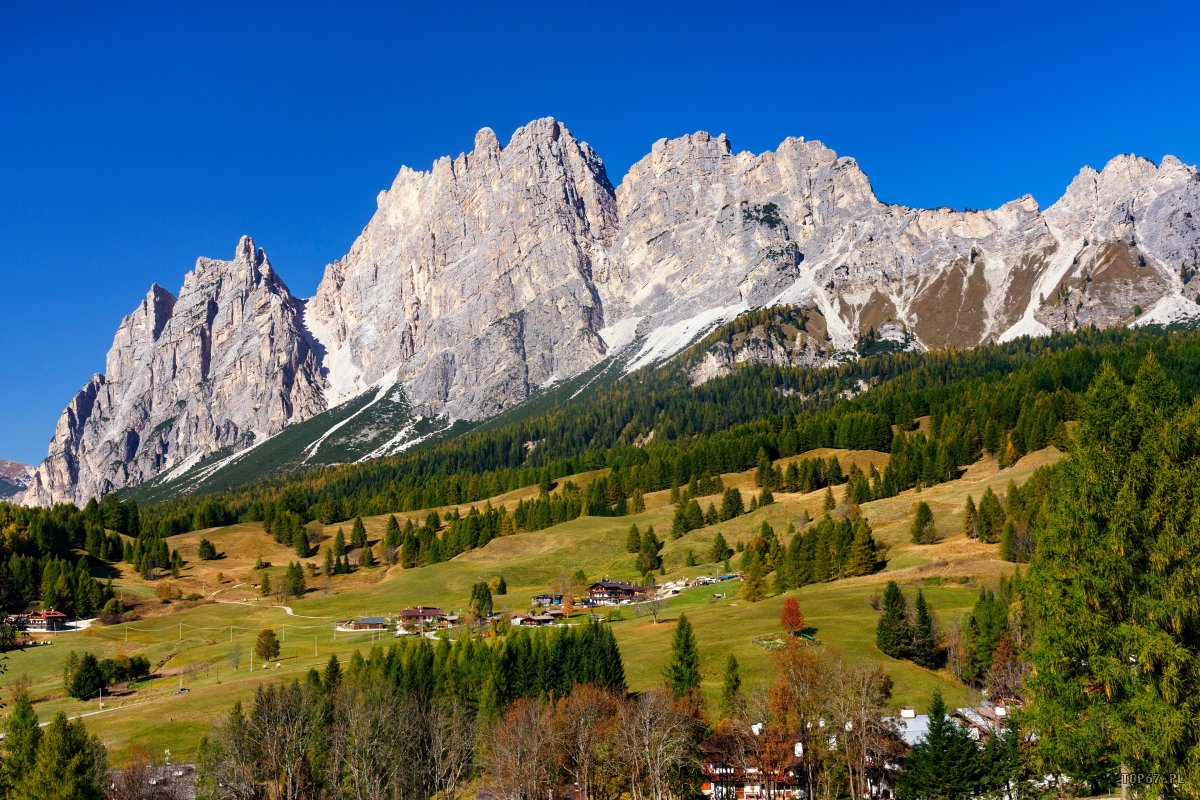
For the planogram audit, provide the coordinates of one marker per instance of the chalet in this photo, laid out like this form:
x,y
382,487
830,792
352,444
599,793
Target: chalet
x,y
769,765
49,620
544,600
532,620
611,593
423,618
985,720
911,726
367,624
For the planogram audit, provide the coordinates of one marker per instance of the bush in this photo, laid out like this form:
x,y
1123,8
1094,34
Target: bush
x,y
208,550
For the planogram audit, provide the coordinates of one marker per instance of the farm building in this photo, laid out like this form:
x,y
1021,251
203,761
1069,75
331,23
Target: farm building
x,y
367,624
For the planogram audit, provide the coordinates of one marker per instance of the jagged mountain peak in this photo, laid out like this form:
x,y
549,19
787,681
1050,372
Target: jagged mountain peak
x,y
492,275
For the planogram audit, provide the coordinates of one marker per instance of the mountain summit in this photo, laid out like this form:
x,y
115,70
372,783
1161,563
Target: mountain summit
x,y
507,270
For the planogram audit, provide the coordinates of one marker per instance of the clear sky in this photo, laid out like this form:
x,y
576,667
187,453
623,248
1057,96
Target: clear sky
x,y
136,136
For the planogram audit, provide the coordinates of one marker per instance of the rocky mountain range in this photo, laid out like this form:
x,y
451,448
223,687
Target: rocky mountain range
x,y
510,269
14,477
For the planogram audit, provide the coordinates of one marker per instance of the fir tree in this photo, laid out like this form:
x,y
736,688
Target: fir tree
x,y
265,587
366,558
683,672
893,635
501,586
990,516
207,551
828,504
863,552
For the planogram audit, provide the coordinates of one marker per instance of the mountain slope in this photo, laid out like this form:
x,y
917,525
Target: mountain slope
x,y
501,273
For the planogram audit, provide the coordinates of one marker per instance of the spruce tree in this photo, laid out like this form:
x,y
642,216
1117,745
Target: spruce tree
x,y
501,586
720,549
683,672
88,680
991,516
633,542
925,650
332,677
300,542
863,552
828,504
731,686
945,765
358,534
893,634
922,530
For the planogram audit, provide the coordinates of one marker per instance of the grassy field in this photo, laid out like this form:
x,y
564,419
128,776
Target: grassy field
x,y
190,643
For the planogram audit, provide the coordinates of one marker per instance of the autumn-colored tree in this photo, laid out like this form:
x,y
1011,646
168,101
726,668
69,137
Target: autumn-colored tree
x,y
791,617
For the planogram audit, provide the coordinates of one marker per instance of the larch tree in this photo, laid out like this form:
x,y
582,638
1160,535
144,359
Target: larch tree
x,y
1113,589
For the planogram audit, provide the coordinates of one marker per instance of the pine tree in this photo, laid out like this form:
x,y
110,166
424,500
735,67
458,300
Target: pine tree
x,y
945,765
339,544
265,587
366,558
893,634
329,562
925,651
731,687
828,504
923,531
683,672
501,586
207,551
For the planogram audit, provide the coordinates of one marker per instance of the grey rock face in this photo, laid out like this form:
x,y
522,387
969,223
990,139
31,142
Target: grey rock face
x,y
224,365
510,268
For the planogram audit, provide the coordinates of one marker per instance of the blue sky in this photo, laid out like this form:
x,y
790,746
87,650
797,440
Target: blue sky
x,y
135,137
